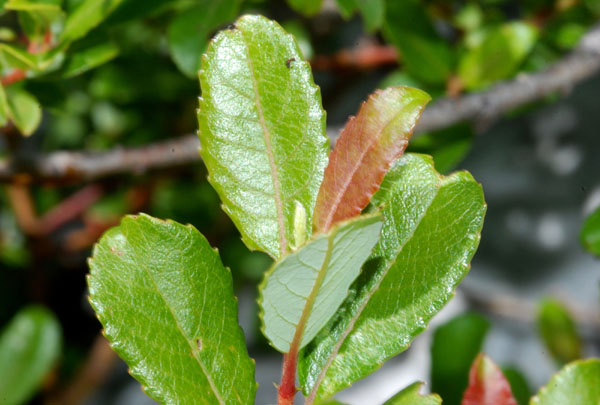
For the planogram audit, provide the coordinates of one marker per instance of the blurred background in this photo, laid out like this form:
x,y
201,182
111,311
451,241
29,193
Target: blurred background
x,y
98,106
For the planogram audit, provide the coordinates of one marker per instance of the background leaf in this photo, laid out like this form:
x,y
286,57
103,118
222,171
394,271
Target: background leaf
x,y
25,111
590,233
558,331
367,147
87,15
518,385
487,384
29,347
306,7
301,292
167,306
402,286
578,383
425,54
411,396
498,54
188,32
262,130
89,58
455,346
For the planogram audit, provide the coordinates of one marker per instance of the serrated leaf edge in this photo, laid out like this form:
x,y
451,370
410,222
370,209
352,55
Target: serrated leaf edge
x,y
477,237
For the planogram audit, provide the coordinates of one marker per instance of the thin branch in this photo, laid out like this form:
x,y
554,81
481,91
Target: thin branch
x,y
480,108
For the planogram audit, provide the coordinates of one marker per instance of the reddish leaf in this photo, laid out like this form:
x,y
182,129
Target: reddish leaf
x,y
487,384
365,151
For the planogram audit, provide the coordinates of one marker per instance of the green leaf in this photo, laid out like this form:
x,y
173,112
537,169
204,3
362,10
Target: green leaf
x,y
29,347
167,306
455,346
487,384
367,147
425,55
25,111
557,329
411,396
89,58
189,30
33,5
578,383
87,15
4,107
590,233
498,55
262,130
16,58
372,11
431,231
518,385
306,7
302,291
447,146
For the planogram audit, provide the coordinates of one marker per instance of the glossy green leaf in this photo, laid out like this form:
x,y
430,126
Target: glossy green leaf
x,y
89,58
455,346
497,55
25,111
306,7
262,130
558,331
411,396
301,292
29,347
578,383
487,384
424,54
189,30
367,147
87,15
431,231
590,233
167,306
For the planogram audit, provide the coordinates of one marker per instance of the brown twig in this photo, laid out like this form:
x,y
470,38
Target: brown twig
x,y
483,107
93,372
361,58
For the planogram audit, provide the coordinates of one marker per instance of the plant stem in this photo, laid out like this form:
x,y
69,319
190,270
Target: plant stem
x,y
287,388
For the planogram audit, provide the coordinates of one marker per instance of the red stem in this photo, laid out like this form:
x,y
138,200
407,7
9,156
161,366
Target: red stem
x,y
287,389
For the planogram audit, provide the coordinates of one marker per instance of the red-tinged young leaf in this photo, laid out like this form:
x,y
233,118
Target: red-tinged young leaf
x,y
365,151
487,384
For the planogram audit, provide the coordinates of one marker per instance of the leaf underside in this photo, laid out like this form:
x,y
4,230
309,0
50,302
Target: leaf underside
x,y
411,396
305,288
364,152
262,130
578,383
167,306
431,231
487,384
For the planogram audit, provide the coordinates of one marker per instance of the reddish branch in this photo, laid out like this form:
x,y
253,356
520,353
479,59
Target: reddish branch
x,y
482,107
362,58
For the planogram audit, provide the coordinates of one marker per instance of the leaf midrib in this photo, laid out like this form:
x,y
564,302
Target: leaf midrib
x,y
310,301
269,150
180,328
310,399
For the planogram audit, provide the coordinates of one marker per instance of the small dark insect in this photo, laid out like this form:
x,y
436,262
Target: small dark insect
x,y
289,61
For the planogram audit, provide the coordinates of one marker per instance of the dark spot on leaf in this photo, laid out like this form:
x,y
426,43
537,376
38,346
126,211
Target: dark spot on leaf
x,y
199,343
289,61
